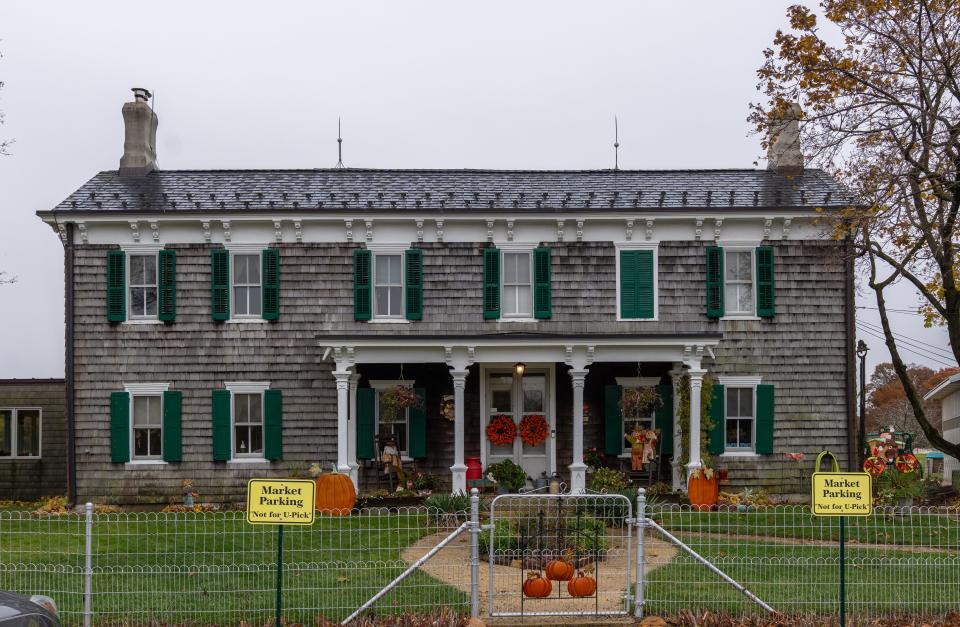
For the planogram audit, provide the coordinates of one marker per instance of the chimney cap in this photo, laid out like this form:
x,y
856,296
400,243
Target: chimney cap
x,y
141,94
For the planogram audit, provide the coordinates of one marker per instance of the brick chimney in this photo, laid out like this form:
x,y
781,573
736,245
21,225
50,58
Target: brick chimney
x,y
140,136
783,153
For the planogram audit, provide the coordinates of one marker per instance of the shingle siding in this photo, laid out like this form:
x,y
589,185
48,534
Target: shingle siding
x,y
29,479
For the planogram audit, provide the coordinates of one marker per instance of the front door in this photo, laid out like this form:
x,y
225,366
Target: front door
x,y
515,397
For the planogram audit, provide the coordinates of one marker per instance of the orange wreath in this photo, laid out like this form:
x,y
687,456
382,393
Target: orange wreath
x,y
534,429
501,431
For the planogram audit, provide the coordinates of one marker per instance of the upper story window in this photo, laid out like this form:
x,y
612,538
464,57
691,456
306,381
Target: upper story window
x,y
517,285
247,299
248,424
143,286
388,285
19,432
740,412
738,282
147,426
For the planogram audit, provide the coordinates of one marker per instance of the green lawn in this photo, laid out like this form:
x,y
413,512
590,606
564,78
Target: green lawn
x,y
180,567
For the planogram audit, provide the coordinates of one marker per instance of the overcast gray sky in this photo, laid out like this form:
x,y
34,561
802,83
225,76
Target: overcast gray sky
x,y
418,84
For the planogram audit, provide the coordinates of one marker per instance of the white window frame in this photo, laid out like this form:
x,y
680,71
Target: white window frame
x,y
388,249
233,266
247,387
381,385
632,383
133,428
144,389
740,382
655,247
740,247
14,453
516,247
129,251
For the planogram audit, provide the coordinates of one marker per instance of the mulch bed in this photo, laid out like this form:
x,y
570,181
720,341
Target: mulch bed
x,y
710,619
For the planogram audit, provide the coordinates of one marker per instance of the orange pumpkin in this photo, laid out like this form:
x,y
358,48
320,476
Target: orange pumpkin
x,y
703,492
536,586
335,494
559,570
582,585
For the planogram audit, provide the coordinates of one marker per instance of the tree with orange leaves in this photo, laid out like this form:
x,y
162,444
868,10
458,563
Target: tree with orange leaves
x,y
881,102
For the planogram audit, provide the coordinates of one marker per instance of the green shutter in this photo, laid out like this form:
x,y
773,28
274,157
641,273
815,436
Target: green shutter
x,y
270,260
417,434
491,283
272,424
119,427
172,426
612,420
542,279
220,284
664,419
718,416
636,284
765,412
765,300
167,284
366,414
221,425
116,286
361,284
413,267
714,282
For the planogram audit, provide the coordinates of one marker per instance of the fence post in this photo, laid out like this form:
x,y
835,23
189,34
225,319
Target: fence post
x,y
88,567
474,553
641,519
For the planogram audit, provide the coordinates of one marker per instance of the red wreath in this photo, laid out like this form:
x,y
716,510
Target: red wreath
x,y
534,429
501,431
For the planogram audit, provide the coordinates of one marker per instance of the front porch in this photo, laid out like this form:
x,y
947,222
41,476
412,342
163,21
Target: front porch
x,y
567,381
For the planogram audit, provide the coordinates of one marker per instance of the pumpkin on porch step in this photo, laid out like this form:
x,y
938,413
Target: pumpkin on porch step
x,y
702,489
335,494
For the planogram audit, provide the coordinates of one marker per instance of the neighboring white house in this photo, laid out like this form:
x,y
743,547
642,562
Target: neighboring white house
x,y
948,393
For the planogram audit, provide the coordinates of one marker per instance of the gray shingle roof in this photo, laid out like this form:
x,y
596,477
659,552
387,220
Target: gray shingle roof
x,y
453,190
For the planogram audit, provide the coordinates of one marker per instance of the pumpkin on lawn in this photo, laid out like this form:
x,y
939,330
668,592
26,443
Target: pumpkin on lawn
x,y
702,489
536,586
335,494
582,585
559,570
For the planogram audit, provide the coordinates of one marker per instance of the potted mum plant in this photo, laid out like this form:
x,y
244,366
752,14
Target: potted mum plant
x,y
507,476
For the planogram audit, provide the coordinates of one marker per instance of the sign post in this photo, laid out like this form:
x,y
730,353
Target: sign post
x,y
840,494
280,502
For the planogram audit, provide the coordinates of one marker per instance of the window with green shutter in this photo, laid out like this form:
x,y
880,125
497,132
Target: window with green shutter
x,y
417,427
765,291
765,419
167,306
664,419
221,425
172,426
362,308
718,417
542,279
366,422
116,286
612,420
491,283
119,427
270,259
413,269
637,289
714,282
272,424
220,285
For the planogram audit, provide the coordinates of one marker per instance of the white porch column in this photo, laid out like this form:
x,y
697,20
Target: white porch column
x,y
696,386
343,414
675,375
352,433
578,470
459,469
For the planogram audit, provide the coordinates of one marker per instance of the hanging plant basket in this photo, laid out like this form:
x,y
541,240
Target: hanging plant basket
x,y
639,402
534,430
396,399
501,431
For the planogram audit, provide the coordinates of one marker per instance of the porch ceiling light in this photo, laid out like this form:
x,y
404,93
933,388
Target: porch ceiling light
x,y
519,368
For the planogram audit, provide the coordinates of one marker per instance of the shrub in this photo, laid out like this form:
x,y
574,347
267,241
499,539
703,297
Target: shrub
x,y
608,480
507,474
449,503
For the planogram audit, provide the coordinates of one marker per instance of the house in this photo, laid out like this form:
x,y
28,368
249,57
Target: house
x,y
33,439
226,324
948,393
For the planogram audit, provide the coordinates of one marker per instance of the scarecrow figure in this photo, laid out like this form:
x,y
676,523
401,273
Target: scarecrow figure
x,y
643,446
390,456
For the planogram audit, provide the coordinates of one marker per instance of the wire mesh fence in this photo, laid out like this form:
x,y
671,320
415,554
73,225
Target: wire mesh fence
x,y
900,562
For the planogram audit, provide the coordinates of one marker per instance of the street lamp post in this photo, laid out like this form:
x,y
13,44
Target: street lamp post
x,y
862,435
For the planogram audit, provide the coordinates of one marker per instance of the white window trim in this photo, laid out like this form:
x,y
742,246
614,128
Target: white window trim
x,y
373,287
246,387
245,250
146,459
129,252
13,433
145,388
517,247
740,247
655,247
740,381
385,384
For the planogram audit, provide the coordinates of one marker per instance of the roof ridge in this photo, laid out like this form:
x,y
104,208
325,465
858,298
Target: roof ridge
x,y
342,171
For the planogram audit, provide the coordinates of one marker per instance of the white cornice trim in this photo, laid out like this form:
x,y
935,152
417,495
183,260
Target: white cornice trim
x,y
141,249
245,249
740,381
146,388
247,387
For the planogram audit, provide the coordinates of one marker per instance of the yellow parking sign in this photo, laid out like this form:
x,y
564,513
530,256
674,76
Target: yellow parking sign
x,y
841,494
280,501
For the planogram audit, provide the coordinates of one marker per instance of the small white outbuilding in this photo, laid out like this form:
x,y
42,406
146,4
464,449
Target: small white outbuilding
x,y
948,393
